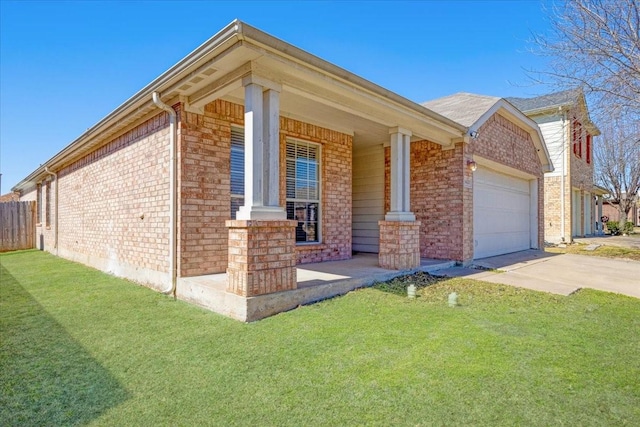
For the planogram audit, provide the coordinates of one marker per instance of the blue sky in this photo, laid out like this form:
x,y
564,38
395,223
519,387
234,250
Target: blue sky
x,y
66,65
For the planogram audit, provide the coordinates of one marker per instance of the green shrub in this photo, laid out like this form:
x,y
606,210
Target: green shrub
x,y
615,229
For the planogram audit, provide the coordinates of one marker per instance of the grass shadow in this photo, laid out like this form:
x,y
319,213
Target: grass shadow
x,y
46,376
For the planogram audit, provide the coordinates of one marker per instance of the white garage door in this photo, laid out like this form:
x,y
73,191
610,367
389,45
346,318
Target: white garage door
x,y
501,207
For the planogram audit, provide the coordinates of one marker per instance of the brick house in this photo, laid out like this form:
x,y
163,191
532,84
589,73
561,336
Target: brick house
x,y
572,201
500,209
251,156
9,197
610,210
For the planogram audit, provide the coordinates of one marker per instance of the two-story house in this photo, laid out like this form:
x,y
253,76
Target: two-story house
x,y
572,201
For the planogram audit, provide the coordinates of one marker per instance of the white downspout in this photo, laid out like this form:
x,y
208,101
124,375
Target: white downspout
x,y
566,136
172,193
55,224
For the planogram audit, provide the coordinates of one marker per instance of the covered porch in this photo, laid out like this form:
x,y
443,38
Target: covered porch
x,y
315,282
296,124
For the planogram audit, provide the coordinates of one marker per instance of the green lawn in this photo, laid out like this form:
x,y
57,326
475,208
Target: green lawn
x,y
78,347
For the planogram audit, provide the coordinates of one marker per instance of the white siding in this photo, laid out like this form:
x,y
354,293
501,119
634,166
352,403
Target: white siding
x,y
553,132
368,197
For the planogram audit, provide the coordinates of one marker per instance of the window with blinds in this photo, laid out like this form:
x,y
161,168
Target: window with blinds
x,y
303,189
237,170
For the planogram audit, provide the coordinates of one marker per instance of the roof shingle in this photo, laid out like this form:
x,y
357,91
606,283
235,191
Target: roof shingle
x,y
552,100
464,108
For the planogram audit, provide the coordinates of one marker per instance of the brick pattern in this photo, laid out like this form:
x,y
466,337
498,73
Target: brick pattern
x,y
505,142
114,202
9,197
438,200
336,176
262,257
205,187
553,209
399,245
442,186
204,177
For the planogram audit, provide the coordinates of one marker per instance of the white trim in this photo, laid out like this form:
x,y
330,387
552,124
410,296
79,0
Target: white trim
x,y
320,185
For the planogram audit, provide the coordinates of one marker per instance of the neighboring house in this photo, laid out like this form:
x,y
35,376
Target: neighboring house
x,y
9,197
250,156
610,210
570,190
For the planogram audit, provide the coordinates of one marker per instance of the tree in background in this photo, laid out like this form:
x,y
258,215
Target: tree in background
x,y
595,44
617,163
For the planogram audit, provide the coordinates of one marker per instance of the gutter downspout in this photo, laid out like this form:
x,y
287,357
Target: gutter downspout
x,y
172,194
567,151
55,233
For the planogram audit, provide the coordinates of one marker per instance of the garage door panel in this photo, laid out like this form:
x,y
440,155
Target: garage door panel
x,y
501,213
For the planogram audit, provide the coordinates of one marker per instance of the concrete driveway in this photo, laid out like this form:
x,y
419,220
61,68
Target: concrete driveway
x,y
556,273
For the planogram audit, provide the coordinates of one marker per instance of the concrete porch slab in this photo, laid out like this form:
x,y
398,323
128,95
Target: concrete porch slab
x,y
316,282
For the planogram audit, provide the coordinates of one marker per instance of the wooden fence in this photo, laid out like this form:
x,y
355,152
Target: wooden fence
x,y
18,225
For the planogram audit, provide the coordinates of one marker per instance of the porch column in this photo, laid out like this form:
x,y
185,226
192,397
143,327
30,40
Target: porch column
x,y
400,176
399,232
600,230
262,250
262,151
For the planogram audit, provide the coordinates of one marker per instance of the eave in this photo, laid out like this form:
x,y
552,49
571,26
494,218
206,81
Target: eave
x,y
207,73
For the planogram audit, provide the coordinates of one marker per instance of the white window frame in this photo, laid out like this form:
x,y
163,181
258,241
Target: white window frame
x,y
319,179
236,196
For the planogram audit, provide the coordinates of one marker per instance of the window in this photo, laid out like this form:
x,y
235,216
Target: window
x,y
237,170
303,189
588,148
39,203
577,138
47,214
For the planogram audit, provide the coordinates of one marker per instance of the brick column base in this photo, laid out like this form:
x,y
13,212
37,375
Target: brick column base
x,y
399,245
262,256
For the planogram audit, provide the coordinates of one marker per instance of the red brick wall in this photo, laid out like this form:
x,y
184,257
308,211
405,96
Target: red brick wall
x,y
442,185
205,150
262,257
399,245
437,200
205,185
336,189
114,205
9,197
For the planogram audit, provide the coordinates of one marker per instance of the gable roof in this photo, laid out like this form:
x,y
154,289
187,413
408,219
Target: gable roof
x,y
555,100
216,69
472,111
464,108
